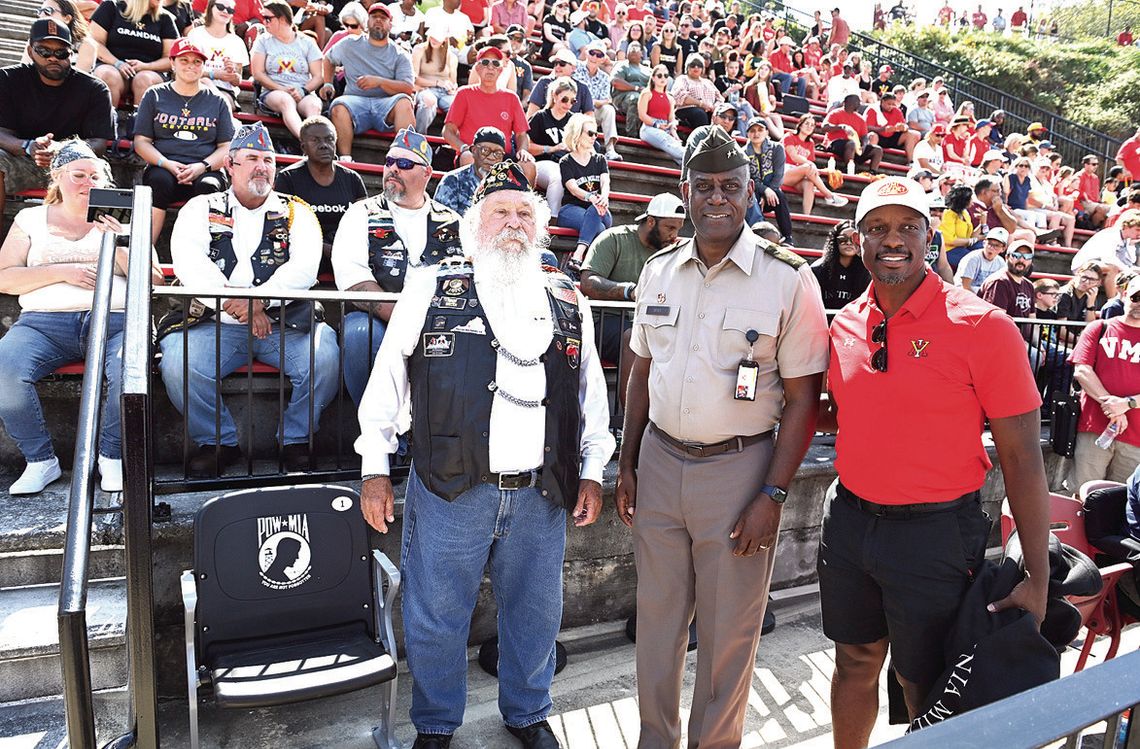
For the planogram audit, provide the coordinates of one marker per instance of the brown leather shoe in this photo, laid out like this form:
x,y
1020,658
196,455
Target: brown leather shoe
x,y
211,461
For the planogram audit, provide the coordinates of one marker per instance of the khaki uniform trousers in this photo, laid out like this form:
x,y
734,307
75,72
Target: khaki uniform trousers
x,y
686,508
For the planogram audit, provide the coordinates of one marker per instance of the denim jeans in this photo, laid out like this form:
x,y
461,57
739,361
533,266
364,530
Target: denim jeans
x,y
204,371
785,81
663,141
37,345
586,220
446,547
358,354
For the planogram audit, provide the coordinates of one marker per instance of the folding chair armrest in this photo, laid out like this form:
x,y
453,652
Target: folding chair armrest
x,y
386,570
1113,572
190,610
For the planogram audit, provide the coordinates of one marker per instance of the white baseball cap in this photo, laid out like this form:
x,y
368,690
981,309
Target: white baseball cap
x,y
564,55
893,191
1019,244
999,234
664,205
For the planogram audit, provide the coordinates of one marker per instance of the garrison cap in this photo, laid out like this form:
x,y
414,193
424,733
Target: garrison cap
x,y
710,149
506,175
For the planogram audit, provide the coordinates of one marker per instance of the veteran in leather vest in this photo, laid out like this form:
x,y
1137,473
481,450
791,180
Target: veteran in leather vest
x,y
730,340
382,241
246,237
509,435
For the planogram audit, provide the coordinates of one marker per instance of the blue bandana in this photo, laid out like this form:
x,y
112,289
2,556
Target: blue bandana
x,y
410,140
254,137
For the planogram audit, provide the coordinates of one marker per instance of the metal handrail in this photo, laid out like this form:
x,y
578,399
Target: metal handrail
x,y
72,614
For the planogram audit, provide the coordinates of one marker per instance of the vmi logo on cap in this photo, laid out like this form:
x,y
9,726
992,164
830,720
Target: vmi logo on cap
x,y
892,188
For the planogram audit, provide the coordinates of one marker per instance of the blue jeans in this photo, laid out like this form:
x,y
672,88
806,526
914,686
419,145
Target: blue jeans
x,y
446,546
358,354
204,370
663,141
785,81
586,220
37,345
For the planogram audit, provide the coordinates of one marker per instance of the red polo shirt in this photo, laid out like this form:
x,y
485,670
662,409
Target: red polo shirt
x,y
837,117
878,118
1129,155
913,434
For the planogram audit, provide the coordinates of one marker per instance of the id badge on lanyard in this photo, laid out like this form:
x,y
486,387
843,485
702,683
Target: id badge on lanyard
x,y
747,372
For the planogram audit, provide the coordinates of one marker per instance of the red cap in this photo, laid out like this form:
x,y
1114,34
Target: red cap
x,y
186,47
379,8
938,129
490,51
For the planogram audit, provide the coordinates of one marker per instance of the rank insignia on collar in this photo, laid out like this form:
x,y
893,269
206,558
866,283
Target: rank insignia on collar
x,y
918,348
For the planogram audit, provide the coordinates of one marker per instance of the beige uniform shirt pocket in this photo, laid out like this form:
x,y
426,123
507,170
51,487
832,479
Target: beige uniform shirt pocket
x,y
732,341
659,326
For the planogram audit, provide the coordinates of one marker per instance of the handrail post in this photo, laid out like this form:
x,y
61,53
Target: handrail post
x,y
138,471
72,614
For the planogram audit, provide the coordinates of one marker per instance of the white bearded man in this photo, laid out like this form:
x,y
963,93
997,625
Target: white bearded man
x,y
509,425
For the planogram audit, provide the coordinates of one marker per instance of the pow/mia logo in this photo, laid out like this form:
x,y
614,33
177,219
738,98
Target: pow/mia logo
x,y
284,555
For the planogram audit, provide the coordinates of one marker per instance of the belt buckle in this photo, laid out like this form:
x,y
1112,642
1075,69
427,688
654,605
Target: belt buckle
x,y
505,478
511,481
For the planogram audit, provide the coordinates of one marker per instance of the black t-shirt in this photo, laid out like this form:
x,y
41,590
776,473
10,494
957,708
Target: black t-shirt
x,y
588,177
127,40
597,28
845,285
547,130
688,46
329,203
79,107
667,56
184,129
558,29
183,13
1069,307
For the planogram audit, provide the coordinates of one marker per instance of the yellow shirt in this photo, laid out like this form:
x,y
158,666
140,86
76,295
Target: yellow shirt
x,y
956,226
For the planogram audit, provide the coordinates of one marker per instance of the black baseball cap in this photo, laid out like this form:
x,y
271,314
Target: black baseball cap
x,y
49,28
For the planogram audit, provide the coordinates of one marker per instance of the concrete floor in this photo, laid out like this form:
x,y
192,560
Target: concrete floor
x,y
594,701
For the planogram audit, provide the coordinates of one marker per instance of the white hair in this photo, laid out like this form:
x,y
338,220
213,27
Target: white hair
x,y
353,9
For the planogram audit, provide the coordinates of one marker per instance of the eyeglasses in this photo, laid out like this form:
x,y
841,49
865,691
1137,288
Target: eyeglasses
x,y
61,53
879,336
267,17
1088,279
45,12
224,8
566,100
401,163
78,178
1021,255
597,53
489,63
1135,298
590,133
1051,292
352,26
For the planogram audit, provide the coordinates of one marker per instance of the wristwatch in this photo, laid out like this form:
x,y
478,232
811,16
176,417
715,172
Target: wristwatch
x,y
1132,402
778,495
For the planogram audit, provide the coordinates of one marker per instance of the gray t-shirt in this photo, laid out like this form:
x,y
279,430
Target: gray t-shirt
x,y
287,64
975,267
184,129
360,57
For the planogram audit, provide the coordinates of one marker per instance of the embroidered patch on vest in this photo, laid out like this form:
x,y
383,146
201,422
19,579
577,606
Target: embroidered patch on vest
x,y
439,344
455,286
474,326
450,302
573,354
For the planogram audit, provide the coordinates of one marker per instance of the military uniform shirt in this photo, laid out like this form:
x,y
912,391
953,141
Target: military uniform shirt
x,y
692,321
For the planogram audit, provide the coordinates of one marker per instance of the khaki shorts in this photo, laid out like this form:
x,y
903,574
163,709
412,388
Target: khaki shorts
x,y
21,173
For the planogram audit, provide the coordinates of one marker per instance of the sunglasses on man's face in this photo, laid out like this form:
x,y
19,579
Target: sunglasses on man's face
x,y
597,53
1021,255
401,163
61,53
488,63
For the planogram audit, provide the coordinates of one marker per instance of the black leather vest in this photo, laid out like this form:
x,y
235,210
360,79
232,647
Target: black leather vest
x,y
387,255
452,375
273,250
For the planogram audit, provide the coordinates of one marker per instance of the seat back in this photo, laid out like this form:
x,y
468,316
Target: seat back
x,y
278,561
1066,522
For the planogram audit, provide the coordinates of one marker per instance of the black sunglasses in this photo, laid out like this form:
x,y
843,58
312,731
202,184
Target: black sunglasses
x,y
879,336
224,8
567,100
353,26
401,163
62,53
1135,298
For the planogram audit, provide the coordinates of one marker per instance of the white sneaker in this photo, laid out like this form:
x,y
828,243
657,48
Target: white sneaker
x,y
36,477
110,474
836,201
613,155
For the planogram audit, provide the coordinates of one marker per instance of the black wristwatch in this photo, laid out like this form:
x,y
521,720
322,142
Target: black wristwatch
x,y
1132,402
778,495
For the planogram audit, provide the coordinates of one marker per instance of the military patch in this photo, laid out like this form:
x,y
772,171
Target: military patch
x,y
381,232
455,286
475,326
564,294
439,344
448,302
573,353
439,322
447,233
390,258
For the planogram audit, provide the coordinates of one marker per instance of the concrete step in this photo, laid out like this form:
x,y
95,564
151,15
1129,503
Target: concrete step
x,y
42,722
29,641
43,566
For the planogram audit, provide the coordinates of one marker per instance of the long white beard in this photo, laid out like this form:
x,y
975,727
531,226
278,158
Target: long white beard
x,y
508,260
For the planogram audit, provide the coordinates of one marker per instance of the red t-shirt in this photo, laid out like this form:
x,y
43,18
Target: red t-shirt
x,y
1112,349
980,146
1129,153
914,433
877,118
1017,19
476,10
1124,39
1089,187
837,117
812,56
802,148
960,153
637,14
979,19
781,62
473,109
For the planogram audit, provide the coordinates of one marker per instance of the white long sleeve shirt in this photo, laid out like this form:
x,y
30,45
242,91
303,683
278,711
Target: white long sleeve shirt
x,y
350,246
523,324
190,247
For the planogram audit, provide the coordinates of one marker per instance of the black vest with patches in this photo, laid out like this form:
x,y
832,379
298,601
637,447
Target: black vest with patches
x,y
273,251
452,376
387,255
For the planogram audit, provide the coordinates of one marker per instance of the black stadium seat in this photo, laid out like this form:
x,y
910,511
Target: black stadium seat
x,y
286,603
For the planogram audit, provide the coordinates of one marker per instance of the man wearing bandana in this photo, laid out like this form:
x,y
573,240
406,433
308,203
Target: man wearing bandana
x,y
246,237
496,359
384,239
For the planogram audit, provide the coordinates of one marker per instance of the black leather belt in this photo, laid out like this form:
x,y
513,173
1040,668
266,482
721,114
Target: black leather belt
x,y
519,480
698,450
904,511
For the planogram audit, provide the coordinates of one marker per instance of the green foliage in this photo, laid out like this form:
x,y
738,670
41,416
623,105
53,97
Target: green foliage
x,y
1093,81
